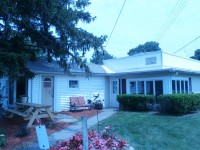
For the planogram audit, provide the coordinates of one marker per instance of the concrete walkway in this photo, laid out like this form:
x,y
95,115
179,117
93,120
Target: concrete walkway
x,y
72,129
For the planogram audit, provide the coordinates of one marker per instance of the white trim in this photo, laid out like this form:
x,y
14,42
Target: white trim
x,y
78,84
113,95
184,79
154,87
154,79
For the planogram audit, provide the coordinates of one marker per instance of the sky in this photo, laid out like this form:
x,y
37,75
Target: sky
x,y
171,23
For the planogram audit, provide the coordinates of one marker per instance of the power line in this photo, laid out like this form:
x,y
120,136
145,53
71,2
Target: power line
x,y
179,6
166,20
172,19
187,44
115,23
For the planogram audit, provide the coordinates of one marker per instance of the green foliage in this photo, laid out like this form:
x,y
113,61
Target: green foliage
x,y
23,131
179,103
105,140
153,131
196,54
33,29
99,56
147,47
2,138
135,102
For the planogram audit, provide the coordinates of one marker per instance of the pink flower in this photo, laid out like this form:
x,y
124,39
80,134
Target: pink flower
x,y
95,141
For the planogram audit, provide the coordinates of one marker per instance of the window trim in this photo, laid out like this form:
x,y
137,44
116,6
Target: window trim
x,y
179,86
70,87
151,60
145,85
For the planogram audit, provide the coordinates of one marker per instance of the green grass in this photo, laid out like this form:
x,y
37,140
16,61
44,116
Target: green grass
x,y
147,131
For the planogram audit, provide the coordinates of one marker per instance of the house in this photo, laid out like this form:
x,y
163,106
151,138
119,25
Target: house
x,y
146,73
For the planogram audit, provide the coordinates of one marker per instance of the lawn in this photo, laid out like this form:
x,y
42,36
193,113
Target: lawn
x,y
151,131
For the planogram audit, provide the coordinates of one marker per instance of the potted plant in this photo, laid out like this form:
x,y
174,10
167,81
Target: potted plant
x,y
24,98
98,104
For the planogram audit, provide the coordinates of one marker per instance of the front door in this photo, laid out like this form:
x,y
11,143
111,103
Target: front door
x,y
114,91
47,90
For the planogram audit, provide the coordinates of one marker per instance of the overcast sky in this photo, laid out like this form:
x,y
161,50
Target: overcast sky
x,y
142,21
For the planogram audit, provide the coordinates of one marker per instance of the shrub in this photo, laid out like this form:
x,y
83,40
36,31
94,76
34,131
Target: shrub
x,y
179,103
2,138
136,102
23,131
96,141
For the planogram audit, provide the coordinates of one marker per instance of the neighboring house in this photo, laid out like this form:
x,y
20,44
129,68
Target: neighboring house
x,y
146,73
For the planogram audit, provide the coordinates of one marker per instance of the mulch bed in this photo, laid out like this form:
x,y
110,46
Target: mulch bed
x,y
11,126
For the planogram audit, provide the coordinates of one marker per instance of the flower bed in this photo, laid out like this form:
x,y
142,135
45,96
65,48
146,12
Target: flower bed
x,y
104,140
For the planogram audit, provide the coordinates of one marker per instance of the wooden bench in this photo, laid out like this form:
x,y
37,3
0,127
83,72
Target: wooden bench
x,y
78,103
22,114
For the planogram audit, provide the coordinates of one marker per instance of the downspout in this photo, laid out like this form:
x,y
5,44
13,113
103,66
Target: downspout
x,y
161,59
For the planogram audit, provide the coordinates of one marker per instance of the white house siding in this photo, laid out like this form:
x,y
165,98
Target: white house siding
x,y
195,84
87,88
34,89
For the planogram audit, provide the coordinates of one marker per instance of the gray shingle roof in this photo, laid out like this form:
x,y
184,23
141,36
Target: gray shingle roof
x,y
42,66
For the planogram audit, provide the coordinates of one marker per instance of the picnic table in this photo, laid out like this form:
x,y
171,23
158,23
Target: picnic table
x,y
31,111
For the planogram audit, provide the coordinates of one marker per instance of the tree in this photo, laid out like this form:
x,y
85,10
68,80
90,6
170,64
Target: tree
x,y
147,47
99,56
48,27
196,54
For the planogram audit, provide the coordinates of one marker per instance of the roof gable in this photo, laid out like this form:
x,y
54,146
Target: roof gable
x,y
142,61
152,61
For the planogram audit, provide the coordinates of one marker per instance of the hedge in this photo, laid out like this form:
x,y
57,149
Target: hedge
x,y
135,102
169,103
179,103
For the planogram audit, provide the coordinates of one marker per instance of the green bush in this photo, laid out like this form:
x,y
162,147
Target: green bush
x,y
23,131
2,138
179,103
135,102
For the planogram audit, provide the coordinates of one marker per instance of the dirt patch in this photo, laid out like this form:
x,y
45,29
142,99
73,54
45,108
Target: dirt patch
x,y
11,126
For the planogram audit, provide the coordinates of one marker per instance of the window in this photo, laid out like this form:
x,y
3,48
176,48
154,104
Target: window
x,y
159,87
115,87
140,87
132,87
149,87
180,86
47,82
146,87
190,85
73,84
173,86
150,60
186,86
